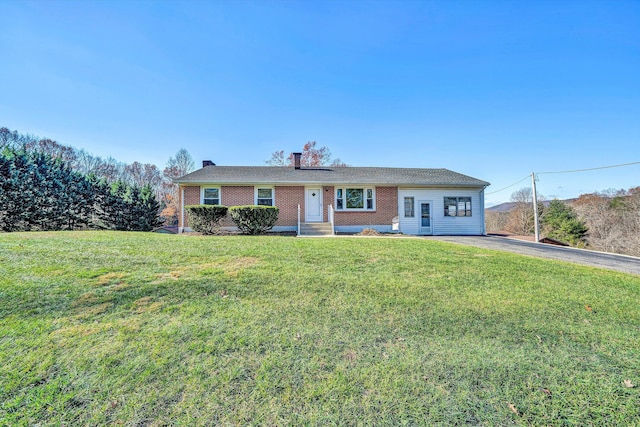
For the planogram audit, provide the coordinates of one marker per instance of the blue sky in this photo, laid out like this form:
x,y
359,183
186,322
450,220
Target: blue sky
x,y
492,89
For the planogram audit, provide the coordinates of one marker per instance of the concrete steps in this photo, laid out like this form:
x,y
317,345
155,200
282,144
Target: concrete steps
x,y
315,229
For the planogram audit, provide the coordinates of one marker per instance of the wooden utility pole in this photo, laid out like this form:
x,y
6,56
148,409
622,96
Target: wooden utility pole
x,y
535,208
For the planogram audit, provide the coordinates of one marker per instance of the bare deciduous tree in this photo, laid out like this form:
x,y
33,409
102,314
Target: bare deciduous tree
x,y
613,218
520,219
179,165
311,157
496,221
85,163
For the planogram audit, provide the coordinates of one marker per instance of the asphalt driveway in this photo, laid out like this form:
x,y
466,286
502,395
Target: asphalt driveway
x,y
623,263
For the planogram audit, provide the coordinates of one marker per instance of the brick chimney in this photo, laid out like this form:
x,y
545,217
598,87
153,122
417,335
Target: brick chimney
x,y
296,160
206,163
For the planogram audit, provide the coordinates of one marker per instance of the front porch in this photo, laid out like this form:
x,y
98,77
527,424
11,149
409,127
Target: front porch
x,y
315,229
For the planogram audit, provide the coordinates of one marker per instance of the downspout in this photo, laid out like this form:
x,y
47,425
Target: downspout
x,y
182,210
484,222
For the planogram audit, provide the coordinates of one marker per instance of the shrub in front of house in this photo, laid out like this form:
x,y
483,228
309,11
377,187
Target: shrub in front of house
x,y
254,219
206,219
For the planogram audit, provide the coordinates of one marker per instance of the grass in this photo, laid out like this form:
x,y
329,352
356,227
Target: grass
x,y
143,329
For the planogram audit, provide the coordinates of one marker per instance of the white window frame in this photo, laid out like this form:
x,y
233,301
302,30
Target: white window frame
x,y
413,206
364,189
447,212
264,187
210,188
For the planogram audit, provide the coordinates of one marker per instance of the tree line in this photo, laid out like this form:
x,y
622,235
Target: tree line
x,y
42,192
125,178
606,221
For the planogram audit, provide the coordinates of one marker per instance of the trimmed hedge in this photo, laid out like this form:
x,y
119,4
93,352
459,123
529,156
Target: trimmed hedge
x,y
206,219
254,219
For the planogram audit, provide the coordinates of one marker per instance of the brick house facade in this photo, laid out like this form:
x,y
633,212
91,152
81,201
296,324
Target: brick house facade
x,y
411,201
287,199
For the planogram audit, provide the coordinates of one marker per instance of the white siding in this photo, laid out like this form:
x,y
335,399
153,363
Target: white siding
x,y
443,225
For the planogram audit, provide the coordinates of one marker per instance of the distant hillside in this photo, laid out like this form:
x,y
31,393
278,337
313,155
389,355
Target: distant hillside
x,y
506,206
502,207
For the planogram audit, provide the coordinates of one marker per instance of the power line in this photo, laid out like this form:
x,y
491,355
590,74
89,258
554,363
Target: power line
x,y
509,186
589,169
567,171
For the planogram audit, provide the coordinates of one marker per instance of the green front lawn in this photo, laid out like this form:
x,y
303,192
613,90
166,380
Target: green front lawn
x,y
146,329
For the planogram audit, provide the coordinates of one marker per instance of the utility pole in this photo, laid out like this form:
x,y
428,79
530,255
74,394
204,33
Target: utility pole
x,y
535,207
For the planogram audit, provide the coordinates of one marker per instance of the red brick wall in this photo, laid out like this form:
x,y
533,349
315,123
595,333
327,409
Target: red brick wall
x,y
328,199
229,196
386,209
191,197
235,196
287,199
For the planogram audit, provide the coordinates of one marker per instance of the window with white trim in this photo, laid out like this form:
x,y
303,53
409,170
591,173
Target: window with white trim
x,y
457,206
264,196
354,198
210,196
339,199
409,207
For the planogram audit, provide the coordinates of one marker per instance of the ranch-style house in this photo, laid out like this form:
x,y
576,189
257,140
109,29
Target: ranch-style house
x,y
344,199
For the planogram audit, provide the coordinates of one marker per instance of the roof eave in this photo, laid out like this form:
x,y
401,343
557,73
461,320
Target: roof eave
x,y
377,184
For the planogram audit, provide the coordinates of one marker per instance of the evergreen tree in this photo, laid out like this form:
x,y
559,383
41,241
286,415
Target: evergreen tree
x,y
103,201
42,192
9,209
118,206
148,209
80,202
561,222
48,203
16,191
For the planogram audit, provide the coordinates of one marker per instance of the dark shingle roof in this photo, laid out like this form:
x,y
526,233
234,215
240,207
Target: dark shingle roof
x,y
288,175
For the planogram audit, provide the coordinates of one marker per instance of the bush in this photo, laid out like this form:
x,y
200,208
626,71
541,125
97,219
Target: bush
x,y
206,219
254,219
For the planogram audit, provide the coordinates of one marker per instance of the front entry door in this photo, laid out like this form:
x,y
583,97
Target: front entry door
x,y
425,218
313,205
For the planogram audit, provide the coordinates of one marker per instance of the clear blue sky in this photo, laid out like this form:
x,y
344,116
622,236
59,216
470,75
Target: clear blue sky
x,y
492,89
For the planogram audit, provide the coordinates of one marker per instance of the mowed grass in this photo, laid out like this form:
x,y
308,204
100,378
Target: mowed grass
x,y
107,328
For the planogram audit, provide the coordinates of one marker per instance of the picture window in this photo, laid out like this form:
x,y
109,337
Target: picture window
x,y
355,199
457,206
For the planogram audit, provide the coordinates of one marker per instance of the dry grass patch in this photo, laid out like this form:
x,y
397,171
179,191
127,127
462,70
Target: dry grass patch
x,y
172,275
237,265
88,298
95,310
146,304
121,286
369,232
350,355
75,331
109,279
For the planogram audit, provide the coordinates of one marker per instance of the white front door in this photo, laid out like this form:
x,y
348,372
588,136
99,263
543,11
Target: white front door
x,y
313,205
424,219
